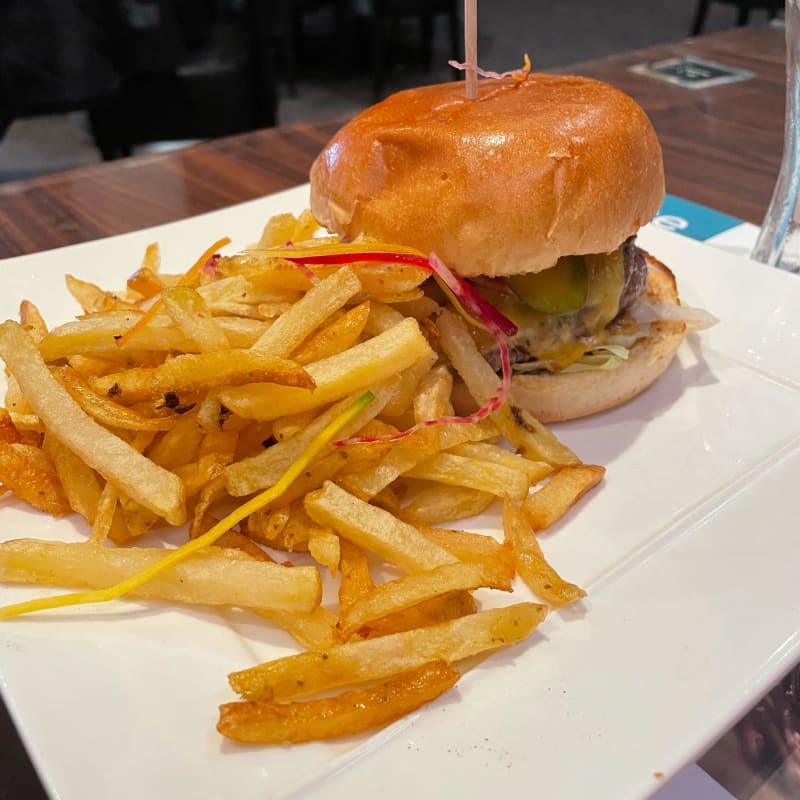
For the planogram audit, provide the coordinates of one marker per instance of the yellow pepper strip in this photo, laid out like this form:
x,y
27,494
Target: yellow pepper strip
x,y
188,279
208,538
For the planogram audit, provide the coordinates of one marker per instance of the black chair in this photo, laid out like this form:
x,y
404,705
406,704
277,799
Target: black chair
x,y
744,7
225,82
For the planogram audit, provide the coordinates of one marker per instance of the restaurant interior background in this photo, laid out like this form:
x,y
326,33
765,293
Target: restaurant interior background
x,y
244,64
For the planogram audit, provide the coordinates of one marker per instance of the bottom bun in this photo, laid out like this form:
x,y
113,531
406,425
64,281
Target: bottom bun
x,y
556,398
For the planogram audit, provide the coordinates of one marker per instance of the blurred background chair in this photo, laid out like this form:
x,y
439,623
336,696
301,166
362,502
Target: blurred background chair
x,y
145,70
223,83
772,7
384,16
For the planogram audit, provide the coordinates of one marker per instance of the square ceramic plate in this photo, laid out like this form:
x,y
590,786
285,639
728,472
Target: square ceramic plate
x,y
689,551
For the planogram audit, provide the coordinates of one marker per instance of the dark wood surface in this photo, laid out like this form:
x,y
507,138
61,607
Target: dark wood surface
x,y
722,147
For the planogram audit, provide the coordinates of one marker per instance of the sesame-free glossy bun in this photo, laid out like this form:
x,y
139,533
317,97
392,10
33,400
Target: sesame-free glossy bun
x,y
559,397
506,184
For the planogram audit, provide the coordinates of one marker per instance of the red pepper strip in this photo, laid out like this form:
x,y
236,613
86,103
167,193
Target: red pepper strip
x,y
188,279
497,324
465,291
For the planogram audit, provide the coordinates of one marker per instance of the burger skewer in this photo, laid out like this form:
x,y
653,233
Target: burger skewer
x,y
471,47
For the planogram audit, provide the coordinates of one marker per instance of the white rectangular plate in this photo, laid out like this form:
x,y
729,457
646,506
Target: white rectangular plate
x,y
689,551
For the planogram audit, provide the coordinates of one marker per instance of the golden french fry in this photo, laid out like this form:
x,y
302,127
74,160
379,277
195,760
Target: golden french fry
x,y
31,319
314,630
179,445
438,504
104,513
432,398
141,479
475,548
374,529
234,540
98,335
373,659
210,577
30,479
102,408
548,504
356,580
190,372
403,593
264,468
334,338
343,715
190,313
146,280
485,476
359,368
429,612
528,435
322,300
92,298
534,471
79,482
277,232
407,386
531,564
324,548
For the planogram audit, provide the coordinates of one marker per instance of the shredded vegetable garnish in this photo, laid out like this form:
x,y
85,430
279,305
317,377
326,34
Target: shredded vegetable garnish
x,y
466,298
317,444
188,279
519,75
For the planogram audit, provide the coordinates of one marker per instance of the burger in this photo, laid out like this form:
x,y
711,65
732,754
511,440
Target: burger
x,y
534,192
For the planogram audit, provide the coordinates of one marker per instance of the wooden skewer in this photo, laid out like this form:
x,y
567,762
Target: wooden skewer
x,y
471,47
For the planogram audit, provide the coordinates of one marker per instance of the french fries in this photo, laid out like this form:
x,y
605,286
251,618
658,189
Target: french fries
x,y
373,659
185,396
213,577
152,486
345,714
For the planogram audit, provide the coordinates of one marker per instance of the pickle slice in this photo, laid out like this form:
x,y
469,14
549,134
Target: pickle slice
x,y
561,289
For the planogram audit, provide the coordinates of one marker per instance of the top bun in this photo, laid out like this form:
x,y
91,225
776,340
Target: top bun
x,y
554,165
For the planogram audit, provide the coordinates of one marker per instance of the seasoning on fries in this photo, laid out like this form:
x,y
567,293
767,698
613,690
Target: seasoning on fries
x,y
316,398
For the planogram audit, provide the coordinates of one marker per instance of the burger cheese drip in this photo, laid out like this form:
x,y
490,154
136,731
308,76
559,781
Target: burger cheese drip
x,y
564,312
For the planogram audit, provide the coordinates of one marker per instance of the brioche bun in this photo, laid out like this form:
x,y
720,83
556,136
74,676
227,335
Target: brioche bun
x,y
531,171
564,396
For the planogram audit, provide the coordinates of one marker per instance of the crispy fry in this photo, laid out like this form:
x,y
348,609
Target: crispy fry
x,y
358,368
521,429
343,715
532,566
374,659
105,410
190,372
322,300
438,504
356,580
374,529
190,313
547,505
28,477
211,577
334,338
314,630
403,593
117,461
485,476
443,608
31,319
